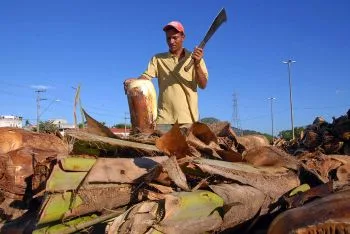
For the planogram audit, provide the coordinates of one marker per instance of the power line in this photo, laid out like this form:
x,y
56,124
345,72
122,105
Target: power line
x,y
235,115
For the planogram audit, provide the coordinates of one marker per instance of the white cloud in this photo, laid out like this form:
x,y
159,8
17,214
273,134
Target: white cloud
x,y
41,87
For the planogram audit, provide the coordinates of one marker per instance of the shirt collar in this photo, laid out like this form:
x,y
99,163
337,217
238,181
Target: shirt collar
x,y
187,53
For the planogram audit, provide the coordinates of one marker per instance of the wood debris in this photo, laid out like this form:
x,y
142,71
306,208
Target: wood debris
x,y
193,179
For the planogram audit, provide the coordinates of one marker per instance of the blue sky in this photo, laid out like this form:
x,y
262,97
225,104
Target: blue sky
x,y
61,44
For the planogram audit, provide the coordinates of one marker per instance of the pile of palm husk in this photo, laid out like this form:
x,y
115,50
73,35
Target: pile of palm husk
x,y
321,136
193,179
22,153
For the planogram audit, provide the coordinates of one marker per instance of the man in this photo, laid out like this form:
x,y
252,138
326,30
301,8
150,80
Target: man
x,y
178,98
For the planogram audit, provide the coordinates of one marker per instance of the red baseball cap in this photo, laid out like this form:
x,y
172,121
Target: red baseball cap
x,y
174,24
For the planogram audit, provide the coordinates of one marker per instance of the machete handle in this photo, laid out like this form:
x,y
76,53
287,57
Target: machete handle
x,y
189,65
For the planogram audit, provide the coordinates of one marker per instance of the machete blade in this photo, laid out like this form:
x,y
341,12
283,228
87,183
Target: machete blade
x,y
219,19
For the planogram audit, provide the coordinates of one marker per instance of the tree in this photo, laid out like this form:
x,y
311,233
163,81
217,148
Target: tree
x,y
27,123
121,125
47,127
288,134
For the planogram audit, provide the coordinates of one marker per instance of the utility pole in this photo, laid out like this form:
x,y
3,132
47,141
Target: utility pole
x,y
38,99
235,115
271,109
76,101
289,62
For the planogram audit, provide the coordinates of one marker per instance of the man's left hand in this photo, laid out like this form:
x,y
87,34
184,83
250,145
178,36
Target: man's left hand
x,y
197,55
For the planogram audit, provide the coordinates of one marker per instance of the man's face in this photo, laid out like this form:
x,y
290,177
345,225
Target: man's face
x,y
174,39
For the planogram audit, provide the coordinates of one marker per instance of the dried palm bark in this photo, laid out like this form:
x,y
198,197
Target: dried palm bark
x,y
194,212
138,219
122,170
329,138
96,128
252,141
272,181
311,139
342,127
343,173
322,165
60,207
227,138
173,143
175,173
80,186
100,198
270,156
329,214
184,212
241,203
21,152
87,143
347,148
15,138
206,141
198,141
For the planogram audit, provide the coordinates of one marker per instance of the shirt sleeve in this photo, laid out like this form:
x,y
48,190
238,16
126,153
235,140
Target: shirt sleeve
x,y
152,70
204,68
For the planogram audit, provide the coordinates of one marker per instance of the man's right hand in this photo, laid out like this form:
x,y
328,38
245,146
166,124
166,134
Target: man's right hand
x,y
126,84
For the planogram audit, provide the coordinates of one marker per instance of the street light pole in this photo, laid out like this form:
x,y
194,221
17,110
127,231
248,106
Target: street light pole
x,y
38,99
289,62
125,118
271,109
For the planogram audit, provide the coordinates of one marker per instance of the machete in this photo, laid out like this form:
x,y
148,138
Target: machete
x,y
220,18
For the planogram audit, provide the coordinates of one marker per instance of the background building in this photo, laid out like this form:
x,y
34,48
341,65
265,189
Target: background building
x,y
62,125
11,121
122,132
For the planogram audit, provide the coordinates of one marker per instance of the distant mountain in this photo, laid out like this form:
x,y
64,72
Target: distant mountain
x,y
210,120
